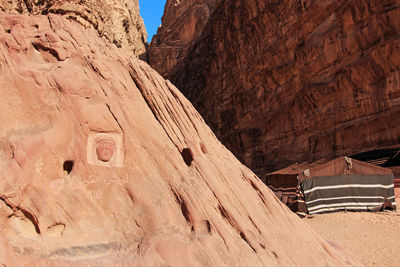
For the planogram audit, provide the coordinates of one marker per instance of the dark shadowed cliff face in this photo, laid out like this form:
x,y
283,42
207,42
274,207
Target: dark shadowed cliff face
x,y
289,81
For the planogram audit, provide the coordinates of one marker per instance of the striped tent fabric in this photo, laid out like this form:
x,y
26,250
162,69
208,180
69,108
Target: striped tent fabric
x,y
354,192
336,185
291,196
285,185
396,172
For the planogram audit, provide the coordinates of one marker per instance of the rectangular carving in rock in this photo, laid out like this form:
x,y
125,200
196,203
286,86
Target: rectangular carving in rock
x,y
105,149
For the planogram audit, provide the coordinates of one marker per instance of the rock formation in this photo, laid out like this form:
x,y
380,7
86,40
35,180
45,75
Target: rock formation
x,y
289,81
104,163
182,23
118,21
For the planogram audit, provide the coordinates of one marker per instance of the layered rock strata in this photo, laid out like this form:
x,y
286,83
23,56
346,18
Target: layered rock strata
x,y
118,21
105,163
182,23
290,81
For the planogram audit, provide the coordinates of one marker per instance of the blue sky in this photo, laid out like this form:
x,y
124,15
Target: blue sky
x,y
151,12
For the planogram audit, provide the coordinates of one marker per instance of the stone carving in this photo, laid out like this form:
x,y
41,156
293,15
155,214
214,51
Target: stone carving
x,y
105,149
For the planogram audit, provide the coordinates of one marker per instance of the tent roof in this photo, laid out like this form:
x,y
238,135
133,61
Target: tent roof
x,y
333,167
297,168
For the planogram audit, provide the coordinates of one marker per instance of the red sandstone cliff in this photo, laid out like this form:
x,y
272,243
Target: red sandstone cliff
x,y
105,163
118,21
182,23
289,81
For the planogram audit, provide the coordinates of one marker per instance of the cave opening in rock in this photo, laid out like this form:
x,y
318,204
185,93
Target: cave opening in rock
x,y
187,156
380,157
68,166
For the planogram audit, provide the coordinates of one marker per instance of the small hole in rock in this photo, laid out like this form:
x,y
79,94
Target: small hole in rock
x,y
68,165
208,225
187,156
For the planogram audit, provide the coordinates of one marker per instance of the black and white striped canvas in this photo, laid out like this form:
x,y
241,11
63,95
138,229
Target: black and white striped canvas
x,y
348,192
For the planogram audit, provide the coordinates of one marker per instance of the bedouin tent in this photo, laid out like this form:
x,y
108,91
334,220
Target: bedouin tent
x,y
339,184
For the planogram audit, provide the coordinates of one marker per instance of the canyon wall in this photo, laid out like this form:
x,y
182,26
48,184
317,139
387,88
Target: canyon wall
x,y
182,23
105,163
118,21
289,81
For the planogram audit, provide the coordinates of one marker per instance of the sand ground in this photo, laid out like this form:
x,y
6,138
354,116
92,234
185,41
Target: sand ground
x,y
372,238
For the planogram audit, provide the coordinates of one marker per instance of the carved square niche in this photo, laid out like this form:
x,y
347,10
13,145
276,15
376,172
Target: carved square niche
x,y
105,149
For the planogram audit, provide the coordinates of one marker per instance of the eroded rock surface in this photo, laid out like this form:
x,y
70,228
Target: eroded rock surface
x,y
118,21
182,23
290,81
105,163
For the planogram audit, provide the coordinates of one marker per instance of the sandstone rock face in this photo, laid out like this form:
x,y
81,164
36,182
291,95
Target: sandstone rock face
x,y
105,163
182,23
290,81
118,21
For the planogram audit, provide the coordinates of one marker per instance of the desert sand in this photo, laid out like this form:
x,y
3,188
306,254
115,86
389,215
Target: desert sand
x,y
372,238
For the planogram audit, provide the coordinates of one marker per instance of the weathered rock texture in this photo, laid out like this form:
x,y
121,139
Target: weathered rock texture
x,y
103,162
291,81
182,23
118,21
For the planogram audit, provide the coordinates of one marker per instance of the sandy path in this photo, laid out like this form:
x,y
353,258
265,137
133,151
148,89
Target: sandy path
x,y
372,238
